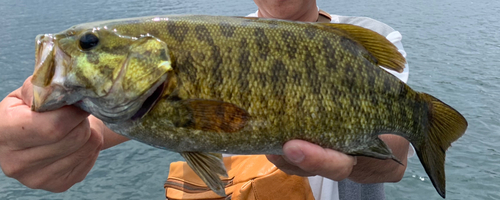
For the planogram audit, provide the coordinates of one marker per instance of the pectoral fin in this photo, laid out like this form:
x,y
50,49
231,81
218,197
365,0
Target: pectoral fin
x,y
208,167
379,150
213,115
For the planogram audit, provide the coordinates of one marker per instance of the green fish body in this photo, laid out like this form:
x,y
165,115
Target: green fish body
x,y
208,84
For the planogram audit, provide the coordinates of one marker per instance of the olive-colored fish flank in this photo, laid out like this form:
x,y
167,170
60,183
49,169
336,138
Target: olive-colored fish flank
x,y
189,69
218,75
290,41
310,32
203,35
279,72
262,42
244,63
177,30
227,29
330,56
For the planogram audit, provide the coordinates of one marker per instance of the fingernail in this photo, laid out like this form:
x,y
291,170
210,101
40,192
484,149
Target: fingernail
x,y
294,154
355,161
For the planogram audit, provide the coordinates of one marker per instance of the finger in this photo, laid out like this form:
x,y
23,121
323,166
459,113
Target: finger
x,y
28,129
318,160
82,166
37,129
24,94
92,146
73,176
41,156
80,163
62,174
57,178
27,92
286,166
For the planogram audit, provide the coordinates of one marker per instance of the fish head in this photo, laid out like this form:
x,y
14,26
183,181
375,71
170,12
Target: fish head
x,y
107,73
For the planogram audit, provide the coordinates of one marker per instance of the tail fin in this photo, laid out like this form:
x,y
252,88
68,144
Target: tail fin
x,y
445,126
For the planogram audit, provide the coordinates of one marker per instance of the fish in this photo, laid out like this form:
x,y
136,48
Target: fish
x,y
206,85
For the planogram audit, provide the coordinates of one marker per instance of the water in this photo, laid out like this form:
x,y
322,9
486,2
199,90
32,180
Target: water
x,y
453,49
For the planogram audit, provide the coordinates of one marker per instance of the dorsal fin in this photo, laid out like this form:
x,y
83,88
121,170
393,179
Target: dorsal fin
x,y
383,50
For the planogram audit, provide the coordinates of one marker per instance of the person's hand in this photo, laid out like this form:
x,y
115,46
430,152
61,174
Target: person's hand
x,y
306,159
52,150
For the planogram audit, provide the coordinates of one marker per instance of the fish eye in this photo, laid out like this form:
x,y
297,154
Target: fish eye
x,y
88,41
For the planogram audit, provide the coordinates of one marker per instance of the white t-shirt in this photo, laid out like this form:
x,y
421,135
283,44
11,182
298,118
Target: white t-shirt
x,y
324,188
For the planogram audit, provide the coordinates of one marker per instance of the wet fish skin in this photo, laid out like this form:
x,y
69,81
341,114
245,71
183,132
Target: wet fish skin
x,y
246,86
254,81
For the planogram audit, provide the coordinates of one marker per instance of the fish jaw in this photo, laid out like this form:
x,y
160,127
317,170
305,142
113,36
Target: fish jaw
x,y
49,92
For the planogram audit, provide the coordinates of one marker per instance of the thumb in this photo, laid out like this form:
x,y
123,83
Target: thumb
x,y
27,92
318,160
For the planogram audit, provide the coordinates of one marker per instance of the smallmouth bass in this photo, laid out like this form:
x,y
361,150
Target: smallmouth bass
x,y
205,85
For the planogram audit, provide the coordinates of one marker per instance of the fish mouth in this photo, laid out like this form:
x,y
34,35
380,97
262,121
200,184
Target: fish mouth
x,y
150,102
48,79
164,88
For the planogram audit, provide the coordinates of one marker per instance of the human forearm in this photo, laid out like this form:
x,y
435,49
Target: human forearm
x,y
371,170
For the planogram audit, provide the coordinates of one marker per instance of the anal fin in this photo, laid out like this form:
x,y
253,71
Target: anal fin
x,y
208,166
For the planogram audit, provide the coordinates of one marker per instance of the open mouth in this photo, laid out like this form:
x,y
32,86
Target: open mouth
x,y
150,102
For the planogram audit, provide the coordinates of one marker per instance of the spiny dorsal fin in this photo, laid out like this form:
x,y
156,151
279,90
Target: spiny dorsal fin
x,y
208,166
217,116
383,50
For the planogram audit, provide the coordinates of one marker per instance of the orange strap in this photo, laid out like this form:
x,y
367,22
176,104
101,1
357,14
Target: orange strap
x,y
324,16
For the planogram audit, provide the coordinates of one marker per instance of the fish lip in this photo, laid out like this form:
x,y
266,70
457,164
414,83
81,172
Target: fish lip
x,y
48,78
44,60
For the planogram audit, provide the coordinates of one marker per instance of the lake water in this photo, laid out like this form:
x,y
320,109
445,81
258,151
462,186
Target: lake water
x,y
453,51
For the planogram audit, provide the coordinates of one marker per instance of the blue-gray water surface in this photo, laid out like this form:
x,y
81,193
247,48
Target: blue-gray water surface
x,y
453,51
